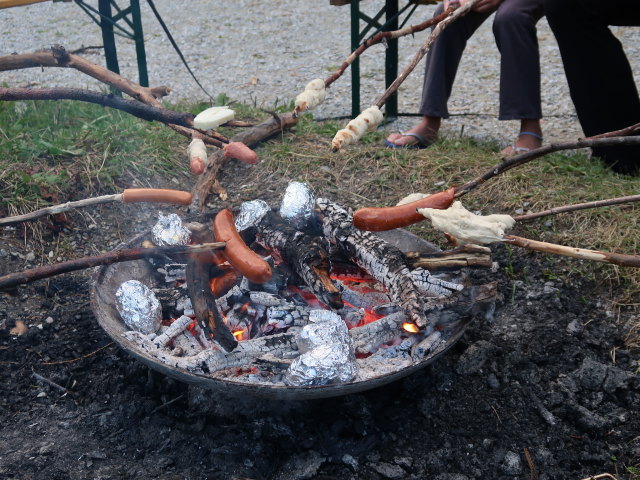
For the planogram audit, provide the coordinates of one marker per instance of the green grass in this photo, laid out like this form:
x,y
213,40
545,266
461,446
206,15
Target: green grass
x,y
53,151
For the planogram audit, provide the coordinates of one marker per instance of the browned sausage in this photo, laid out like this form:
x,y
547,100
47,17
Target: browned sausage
x,y
240,151
197,166
237,253
387,218
156,195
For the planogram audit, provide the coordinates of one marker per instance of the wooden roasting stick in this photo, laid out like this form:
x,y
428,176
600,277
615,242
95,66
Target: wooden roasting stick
x,y
57,56
129,195
19,278
370,118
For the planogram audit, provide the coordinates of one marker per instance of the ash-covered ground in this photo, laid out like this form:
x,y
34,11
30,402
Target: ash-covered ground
x,y
549,375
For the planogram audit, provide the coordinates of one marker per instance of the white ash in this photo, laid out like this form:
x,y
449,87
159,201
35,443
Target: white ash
x,y
169,231
138,307
297,204
251,213
428,345
184,305
173,272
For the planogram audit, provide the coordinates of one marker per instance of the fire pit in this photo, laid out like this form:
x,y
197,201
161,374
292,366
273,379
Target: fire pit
x,y
392,332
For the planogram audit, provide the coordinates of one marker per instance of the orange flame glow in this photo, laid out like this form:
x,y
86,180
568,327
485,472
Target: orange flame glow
x,y
410,327
241,334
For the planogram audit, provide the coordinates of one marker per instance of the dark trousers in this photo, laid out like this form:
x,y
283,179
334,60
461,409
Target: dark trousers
x,y
514,28
600,78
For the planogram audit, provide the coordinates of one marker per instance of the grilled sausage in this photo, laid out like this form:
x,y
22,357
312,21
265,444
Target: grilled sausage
x,y
237,253
156,195
387,218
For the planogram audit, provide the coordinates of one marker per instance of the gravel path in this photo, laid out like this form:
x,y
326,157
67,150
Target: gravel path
x,y
264,53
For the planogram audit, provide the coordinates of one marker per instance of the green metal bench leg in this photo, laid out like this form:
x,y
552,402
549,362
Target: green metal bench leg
x,y
355,66
391,58
139,39
106,25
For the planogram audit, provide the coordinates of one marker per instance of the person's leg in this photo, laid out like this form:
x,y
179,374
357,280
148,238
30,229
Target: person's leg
x,y
440,72
514,28
598,72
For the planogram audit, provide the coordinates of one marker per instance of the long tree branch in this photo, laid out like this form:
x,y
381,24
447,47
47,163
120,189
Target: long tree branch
x,y
133,107
523,158
12,280
578,206
59,57
422,51
384,36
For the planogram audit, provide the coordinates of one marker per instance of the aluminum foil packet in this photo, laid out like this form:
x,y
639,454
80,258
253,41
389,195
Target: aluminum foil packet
x,y
169,231
327,352
138,306
251,213
297,204
323,365
325,328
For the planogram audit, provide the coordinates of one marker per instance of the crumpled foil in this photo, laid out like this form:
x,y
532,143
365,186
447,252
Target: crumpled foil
x,y
251,213
327,352
138,306
169,231
297,204
322,366
324,328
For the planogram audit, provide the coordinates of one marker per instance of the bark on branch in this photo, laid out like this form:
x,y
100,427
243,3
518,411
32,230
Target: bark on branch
x,y
19,278
579,206
523,158
422,51
132,107
381,37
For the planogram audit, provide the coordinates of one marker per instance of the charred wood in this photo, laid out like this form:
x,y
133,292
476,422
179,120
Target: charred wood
x,y
199,272
473,256
383,261
307,256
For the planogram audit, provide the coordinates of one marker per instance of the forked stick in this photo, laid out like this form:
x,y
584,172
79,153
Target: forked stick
x,y
19,278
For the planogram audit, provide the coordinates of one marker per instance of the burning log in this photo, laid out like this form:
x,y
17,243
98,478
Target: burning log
x,y
200,269
305,254
384,262
443,313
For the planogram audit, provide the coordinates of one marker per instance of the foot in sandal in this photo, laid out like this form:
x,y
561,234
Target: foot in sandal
x,y
529,138
420,136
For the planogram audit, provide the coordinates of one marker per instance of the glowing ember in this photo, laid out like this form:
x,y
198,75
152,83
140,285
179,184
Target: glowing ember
x,y
241,334
410,327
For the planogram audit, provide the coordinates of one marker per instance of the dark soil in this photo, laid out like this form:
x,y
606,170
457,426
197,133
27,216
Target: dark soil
x,y
548,379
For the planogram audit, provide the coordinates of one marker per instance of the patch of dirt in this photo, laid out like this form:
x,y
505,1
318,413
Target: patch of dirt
x,y
548,375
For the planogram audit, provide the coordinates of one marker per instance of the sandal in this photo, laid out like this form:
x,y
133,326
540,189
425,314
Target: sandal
x,y
518,150
419,143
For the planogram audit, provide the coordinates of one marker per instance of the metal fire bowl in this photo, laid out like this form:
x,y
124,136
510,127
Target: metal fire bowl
x,y
108,278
